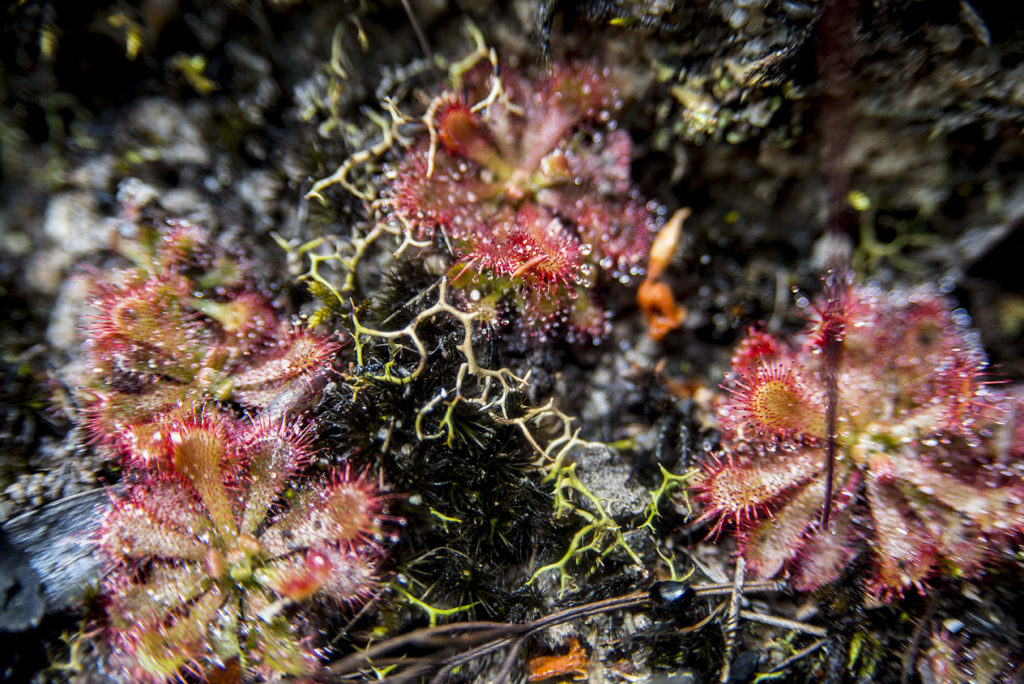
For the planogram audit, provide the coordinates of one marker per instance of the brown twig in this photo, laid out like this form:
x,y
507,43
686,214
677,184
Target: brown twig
x,y
796,657
458,643
733,619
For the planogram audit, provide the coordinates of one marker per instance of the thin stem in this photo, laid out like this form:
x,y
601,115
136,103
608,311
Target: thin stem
x,y
420,37
482,638
733,619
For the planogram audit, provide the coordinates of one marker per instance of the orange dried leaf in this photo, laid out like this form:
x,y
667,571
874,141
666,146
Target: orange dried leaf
x,y
573,663
654,297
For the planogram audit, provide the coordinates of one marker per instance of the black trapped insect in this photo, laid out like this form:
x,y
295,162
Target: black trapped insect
x,y
678,595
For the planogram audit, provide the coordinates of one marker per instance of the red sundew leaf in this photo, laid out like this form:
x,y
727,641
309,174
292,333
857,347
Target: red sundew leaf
x,y
177,244
793,535
199,448
823,557
992,509
246,318
132,531
958,382
737,490
543,133
541,314
146,329
775,540
298,576
1004,414
299,355
463,135
281,651
535,249
343,511
343,575
959,544
621,232
824,554
776,399
601,164
486,249
124,420
166,588
553,108
903,548
162,650
581,90
452,198
175,506
756,350
458,127
274,452
352,577
587,320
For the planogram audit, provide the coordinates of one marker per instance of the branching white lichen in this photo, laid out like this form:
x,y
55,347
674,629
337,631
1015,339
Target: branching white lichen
x,y
549,430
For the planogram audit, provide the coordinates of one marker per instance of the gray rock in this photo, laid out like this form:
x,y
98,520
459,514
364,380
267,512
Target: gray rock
x,y
169,133
72,226
57,543
22,606
606,474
